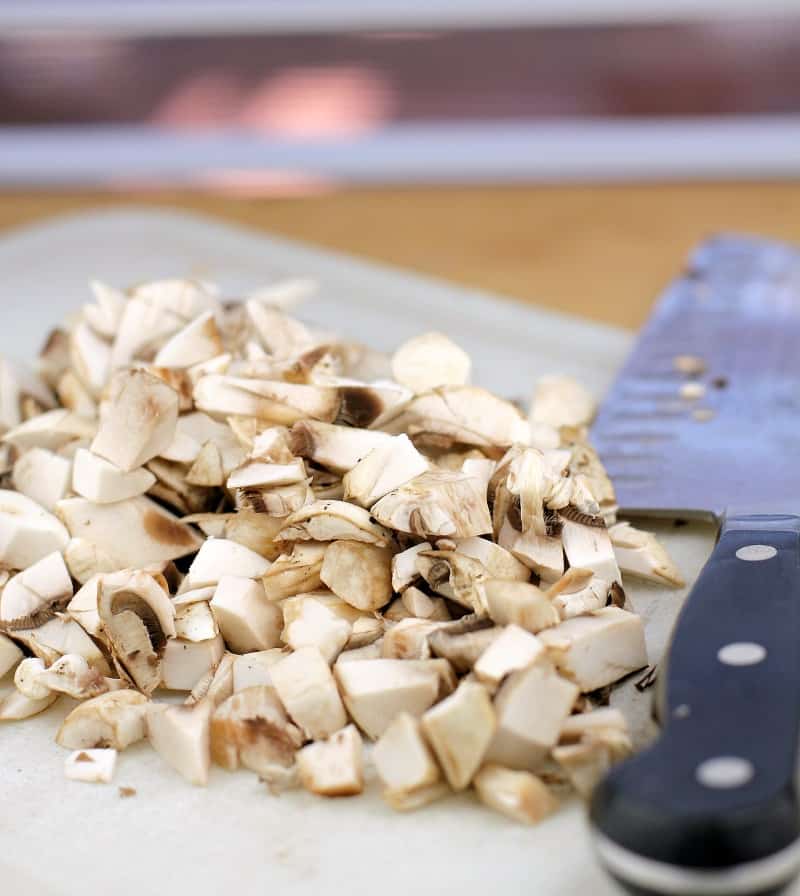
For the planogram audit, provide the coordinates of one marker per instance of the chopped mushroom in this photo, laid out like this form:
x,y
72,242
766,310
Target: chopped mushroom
x,y
252,669
639,554
33,596
181,736
590,744
561,401
512,650
358,573
337,448
138,618
295,573
307,689
436,504
460,729
332,521
133,533
430,360
43,476
220,557
385,468
112,720
251,729
15,706
376,691
333,767
404,566
518,794
10,655
138,422
589,547
310,623
421,606
91,766
523,738
247,620
598,649
261,517
27,531
403,758
518,603
101,481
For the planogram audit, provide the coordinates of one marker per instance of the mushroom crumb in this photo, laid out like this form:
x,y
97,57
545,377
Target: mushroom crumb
x,y
317,546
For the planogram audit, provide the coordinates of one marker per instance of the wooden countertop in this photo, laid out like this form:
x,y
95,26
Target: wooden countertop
x,y
599,251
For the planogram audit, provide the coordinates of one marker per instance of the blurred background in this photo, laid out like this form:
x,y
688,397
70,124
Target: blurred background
x,y
563,152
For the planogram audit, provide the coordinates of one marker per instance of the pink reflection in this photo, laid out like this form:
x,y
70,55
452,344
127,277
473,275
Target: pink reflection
x,y
201,100
334,101
267,182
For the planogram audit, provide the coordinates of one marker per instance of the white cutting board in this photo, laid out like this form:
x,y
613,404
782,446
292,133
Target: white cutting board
x,y
71,839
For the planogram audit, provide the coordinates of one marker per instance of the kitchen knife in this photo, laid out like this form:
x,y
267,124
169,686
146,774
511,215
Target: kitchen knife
x,y
705,420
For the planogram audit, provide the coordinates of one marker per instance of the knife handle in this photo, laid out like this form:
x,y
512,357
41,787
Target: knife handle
x,y
712,806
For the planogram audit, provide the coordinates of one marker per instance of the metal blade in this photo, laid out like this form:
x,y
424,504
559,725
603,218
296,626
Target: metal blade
x,y
737,310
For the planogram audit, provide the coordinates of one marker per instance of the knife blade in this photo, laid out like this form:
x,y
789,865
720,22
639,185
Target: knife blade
x,y
704,420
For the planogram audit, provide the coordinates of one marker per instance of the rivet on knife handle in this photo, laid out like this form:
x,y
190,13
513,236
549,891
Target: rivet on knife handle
x,y
712,807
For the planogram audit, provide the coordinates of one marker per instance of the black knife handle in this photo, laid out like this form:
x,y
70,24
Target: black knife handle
x,y
712,807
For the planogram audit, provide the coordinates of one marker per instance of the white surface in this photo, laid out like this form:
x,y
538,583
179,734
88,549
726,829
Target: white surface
x,y
69,839
202,16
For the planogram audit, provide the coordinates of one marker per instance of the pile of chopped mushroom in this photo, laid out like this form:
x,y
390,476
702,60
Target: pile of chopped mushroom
x,y
318,545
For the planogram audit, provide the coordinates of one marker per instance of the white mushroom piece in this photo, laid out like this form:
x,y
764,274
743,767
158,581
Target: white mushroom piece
x,y
518,603
251,729
334,521
43,476
599,648
100,481
307,690
461,415
430,360
310,623
386,467
437,504
196,649
560,401
523,738
91,766
15,706
181,737
459,730
405,763
294,573
589,745
132,534
360,574
114,720
33,597
10,655
28,533
337,448
376,691
520,795
513,649
138,421
252,669
639,554
137,618
70,675
333,767
247,620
